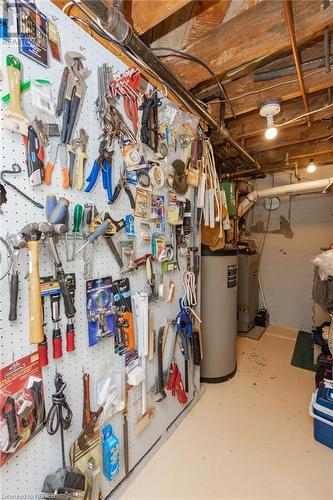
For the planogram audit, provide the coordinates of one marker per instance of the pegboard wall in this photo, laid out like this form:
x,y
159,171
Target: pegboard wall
x,y
25,472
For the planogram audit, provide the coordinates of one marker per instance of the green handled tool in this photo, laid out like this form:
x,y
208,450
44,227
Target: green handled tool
x,y
77,219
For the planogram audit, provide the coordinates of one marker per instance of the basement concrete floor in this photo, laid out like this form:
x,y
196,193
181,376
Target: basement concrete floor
x,y
249,438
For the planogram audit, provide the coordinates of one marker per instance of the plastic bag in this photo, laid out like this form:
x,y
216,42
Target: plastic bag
x,y
324,261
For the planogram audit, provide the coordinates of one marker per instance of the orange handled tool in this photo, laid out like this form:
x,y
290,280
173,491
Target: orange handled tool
x,y
32,235
52,158
64,165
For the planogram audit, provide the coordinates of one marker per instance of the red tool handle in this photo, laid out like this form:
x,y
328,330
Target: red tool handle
x,y
42,354
70,337
57,347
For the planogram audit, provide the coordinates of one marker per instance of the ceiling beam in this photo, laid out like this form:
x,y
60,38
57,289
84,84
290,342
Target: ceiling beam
x,y
144,14
206,16
254,124
296,152
258,32
287,137
314,80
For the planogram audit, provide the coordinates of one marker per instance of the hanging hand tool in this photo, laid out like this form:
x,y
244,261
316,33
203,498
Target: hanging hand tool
x,y
77,218
62,150
61,91
74,94
104,163
184,330
17,242
149,107
56,210
99,231
112,229
140,303
14,118
77,160
175,383
123,184
34,157
42,346
151,280
90,418
50,231
16,169
70,329
56,336
32,235
50,163
160,393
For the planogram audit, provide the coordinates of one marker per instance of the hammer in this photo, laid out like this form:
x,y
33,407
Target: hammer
x,y
32,235
51,230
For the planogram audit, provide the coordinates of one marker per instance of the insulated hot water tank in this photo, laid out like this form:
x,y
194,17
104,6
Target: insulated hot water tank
x,y
218,314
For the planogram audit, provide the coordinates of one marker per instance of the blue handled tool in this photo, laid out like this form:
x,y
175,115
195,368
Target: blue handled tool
x,y
98,232
104,163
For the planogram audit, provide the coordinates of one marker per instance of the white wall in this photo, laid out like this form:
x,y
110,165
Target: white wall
x,y
285,269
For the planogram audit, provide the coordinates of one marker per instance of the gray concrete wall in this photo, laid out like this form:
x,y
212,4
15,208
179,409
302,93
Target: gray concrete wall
x,y
285,269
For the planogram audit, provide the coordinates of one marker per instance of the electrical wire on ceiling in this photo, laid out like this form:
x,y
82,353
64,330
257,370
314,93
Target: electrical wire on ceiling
x,y
279,125
197,60
304,115
259,91
95,27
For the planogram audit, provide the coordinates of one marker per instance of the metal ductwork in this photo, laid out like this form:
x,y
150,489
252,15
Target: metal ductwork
x,y
250,199
114,23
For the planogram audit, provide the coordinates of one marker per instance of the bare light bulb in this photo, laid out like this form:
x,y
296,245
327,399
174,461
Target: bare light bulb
x,y
271,133
311,167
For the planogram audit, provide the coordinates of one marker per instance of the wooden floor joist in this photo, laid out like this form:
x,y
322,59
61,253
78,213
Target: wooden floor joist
x,y
258,32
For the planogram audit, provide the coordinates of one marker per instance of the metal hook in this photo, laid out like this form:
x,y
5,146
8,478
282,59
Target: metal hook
x,y
16,169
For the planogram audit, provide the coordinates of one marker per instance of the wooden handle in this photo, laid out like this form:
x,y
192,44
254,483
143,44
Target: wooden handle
x,y
80,170
86,420
35,299
14,80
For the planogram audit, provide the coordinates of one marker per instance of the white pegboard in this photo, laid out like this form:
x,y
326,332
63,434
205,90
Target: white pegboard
x,y
24,474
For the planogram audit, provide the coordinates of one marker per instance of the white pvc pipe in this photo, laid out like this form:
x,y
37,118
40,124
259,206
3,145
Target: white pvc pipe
x,y
289,189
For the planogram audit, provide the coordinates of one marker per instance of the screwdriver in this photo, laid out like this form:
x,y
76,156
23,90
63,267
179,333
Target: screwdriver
x,y
77,218
98,232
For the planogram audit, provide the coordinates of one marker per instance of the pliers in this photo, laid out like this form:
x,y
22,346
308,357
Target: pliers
x,y
123,183
104,163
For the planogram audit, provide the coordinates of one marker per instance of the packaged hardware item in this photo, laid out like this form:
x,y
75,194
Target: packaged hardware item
x,y
22,409
102,321
111,459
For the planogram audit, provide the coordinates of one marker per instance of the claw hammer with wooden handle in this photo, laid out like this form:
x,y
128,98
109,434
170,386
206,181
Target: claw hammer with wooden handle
x,y
32,235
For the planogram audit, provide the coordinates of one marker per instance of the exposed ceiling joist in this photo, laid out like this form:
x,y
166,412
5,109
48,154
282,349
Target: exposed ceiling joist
x,y
253,124
296,151
254,94
206,16
287,137
257,32
144,14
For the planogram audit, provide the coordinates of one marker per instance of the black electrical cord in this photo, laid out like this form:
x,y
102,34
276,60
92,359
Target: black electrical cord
x,y
190,57
55,417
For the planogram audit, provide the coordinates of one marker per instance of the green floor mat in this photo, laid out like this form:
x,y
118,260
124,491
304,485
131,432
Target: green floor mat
x,y
303,352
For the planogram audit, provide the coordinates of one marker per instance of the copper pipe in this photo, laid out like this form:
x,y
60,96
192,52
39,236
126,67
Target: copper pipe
x,y
288,12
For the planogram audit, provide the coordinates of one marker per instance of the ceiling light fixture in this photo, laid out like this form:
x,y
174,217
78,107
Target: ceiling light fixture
x,y
311,167
268,110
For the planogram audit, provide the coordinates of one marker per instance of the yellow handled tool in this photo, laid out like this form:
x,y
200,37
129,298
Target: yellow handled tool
x,y
14,118
32,235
